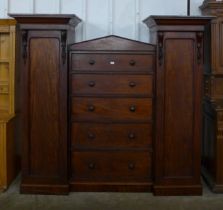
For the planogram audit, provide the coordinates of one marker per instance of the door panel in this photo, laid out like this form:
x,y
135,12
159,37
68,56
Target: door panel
x,y
178,111
44,106
178,108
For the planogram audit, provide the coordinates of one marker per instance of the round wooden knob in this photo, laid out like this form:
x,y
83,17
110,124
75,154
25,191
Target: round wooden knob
x,y
91,165
91,108
132,108
91,62
132,136
91,83
132,63
132,84
91,136
131,166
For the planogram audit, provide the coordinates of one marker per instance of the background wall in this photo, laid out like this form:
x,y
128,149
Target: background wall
x,y
104,17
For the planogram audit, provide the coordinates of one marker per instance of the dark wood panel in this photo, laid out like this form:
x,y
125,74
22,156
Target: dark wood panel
x,y
209,154
213,87
217,85
13,167
219,148
112,84
112,62
44,107
114,109
213,146
114,166
220,45
111,136
179,108
212,156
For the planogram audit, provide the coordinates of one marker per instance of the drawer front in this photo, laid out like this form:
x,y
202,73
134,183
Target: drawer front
x,y
111,166
4,89
110,109
112,84
112,62
107,135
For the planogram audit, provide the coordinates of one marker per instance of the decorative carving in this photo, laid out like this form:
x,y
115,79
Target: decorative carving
x,y
220,117
24,44
220,133
64,46
199,47
212,7
211,85
160,48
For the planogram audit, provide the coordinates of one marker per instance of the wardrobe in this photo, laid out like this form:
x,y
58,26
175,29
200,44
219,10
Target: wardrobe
x,y
111,114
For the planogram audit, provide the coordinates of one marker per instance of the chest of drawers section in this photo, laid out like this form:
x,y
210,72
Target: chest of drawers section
x,y
111,114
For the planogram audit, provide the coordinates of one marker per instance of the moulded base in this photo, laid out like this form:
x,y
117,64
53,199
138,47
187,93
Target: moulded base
x,y
45,189
110,187
178,190
213,185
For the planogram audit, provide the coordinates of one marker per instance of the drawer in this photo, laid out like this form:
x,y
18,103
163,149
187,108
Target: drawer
x,y
111,109
111,166
112,62
213,86
107,135
4,89
112,84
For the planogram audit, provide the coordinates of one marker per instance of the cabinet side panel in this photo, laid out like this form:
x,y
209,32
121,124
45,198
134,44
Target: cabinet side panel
x,y
220,45
209,139
178,108
219,149
44,107
12,168
3,178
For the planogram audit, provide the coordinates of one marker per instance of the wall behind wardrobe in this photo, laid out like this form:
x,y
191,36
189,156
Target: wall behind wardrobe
x,y
104,17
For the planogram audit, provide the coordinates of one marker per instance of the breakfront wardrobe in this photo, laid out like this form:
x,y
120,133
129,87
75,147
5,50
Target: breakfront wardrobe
x,y
212,157
111,114
8,164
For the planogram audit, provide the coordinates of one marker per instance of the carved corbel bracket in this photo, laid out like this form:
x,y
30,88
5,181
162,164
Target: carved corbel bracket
x,y
160,48
24,44
199,47
64,46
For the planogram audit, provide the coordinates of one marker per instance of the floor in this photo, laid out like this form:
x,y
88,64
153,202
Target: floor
x,y
12,200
